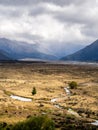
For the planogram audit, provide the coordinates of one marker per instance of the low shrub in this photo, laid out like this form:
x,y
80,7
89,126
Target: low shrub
x,y
35,123
73,85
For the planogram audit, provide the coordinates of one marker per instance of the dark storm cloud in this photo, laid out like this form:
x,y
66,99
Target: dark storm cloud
x,y
32,2
37,11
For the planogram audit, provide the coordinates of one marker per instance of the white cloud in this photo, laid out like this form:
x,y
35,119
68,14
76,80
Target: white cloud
x,y
49,21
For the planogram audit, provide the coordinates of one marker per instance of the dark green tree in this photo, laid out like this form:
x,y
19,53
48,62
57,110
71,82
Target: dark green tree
x,y
34,91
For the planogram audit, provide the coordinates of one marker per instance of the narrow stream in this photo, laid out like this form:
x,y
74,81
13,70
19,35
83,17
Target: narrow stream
x,y
21,98
95,123
68,93
54,100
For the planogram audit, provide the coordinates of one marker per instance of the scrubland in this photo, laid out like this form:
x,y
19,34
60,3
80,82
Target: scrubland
x,y
79,108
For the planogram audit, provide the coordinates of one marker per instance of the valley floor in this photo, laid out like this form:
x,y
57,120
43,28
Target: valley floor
x,y
50,81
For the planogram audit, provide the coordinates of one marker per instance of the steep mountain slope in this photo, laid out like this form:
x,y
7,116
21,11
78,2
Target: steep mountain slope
x,y
3,56
21,50
89,53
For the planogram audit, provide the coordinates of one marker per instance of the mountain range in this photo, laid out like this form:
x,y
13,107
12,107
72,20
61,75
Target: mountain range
x,y
88,54
15,50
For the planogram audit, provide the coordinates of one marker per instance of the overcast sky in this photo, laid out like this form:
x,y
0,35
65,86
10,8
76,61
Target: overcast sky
x,y
50,21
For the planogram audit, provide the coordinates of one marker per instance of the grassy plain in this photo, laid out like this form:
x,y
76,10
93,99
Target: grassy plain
x,y
49,80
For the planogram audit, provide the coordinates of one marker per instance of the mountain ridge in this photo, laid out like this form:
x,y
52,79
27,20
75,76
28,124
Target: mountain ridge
x,y
21,50
88,53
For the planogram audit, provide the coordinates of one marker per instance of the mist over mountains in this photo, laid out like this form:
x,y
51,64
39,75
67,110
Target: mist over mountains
x,y
18,50
55,28
64,49
88,54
